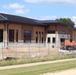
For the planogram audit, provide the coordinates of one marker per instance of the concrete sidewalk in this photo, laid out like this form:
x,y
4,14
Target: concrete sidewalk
x,y
64,72
34,64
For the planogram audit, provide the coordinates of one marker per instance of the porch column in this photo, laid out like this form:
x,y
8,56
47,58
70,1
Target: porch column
x,y
57,39
5,36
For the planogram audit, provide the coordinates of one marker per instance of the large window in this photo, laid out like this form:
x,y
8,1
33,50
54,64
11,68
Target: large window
x,y
11,35
27,36
16,35
36,37
42,37
1,35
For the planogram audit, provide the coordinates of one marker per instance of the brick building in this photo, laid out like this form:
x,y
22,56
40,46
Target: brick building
x,y
21,29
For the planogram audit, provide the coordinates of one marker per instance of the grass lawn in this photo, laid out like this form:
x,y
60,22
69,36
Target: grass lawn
x,y
40,69
33,60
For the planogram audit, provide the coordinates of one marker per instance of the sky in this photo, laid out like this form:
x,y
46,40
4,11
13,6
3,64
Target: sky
x,y
40,9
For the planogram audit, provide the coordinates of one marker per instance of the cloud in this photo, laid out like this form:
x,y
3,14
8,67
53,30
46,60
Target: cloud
x,y
13,6
52,1
16,8
22,11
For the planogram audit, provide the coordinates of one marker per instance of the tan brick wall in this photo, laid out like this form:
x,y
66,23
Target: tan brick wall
x,y
58,27
1,26
74,35
38,29
15,27
26,27
21,28
33,29
62,28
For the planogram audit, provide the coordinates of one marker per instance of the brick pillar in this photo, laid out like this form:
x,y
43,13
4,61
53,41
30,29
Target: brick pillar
x,y
5,36
57,39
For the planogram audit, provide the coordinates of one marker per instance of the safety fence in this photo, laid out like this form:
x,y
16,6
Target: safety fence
x,y
27,50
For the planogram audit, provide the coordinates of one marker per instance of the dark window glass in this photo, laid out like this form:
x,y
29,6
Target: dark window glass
x,y
53,41
42,37
62,39
51,32
48,40
27,36
16,35
1,35
39,36
11,35
36,37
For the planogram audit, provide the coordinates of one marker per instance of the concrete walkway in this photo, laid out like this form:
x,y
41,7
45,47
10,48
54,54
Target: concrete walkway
x,y
64,72
34,64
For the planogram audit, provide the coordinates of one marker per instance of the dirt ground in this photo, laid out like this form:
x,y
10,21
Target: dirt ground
x,y
65,72
25,52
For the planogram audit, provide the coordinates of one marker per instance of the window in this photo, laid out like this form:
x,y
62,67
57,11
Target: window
x,y
39,36
48,39
53,40
36,37
16,35
42,37
11,35
51,32
27,36
62,39
62,32
1,35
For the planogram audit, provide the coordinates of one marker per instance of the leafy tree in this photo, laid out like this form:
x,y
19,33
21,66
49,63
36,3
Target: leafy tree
x,y
67,21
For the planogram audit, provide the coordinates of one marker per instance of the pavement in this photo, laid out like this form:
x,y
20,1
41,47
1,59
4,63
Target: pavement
x,y
65,72
34,64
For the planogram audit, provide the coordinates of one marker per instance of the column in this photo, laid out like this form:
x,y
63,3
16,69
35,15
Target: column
x,y
5,36
57,39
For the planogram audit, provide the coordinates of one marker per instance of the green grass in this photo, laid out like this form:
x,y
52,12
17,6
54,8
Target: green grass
x,y
40,69
33,60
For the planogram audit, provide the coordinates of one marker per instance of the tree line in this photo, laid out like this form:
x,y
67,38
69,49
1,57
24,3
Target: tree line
x,y
67,21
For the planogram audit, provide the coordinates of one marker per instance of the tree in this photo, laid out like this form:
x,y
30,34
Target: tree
x,y
67,21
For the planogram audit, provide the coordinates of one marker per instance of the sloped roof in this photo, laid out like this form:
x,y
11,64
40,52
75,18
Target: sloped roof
x,y
24,20
51,22
17,19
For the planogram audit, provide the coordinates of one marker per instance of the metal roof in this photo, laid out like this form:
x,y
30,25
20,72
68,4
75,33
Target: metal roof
x,y
24,20
52,22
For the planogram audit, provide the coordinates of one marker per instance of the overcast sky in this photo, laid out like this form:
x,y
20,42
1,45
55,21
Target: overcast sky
x,y
40,9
